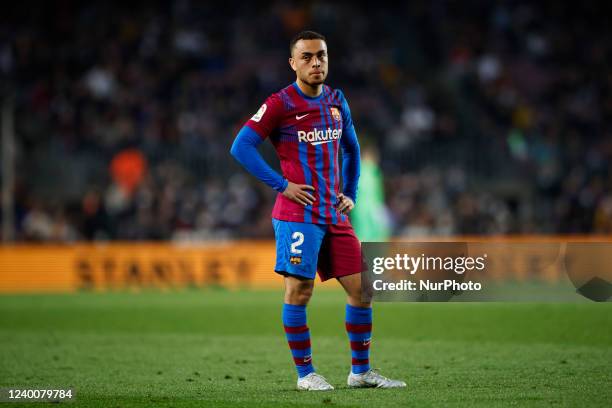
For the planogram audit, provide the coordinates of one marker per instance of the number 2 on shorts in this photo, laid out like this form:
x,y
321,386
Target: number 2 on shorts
x,y
300,240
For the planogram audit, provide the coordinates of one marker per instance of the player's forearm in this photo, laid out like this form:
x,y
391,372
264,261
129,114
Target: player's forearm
x,y
351,163
244,150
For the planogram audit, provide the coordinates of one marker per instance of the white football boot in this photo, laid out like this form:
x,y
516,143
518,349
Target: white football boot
x,y
314,382
372,379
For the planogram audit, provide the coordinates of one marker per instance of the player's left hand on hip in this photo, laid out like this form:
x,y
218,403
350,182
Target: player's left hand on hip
x,y
344,204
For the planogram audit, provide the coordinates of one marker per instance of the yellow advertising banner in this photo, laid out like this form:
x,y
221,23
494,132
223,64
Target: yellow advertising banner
x,y
239,264
61,268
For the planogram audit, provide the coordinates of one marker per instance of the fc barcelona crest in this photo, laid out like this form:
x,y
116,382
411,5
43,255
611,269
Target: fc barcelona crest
x,y
335,114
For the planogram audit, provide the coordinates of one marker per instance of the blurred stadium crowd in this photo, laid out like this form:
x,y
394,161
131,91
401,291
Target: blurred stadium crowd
x,y
489,117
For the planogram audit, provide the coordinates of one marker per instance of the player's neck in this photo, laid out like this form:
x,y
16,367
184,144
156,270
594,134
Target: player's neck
x,y
310,90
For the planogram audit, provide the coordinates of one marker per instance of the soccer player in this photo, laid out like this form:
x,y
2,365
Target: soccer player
x,y
308,122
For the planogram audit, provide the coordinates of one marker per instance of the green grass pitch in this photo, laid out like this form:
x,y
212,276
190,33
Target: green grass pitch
x,y
227,349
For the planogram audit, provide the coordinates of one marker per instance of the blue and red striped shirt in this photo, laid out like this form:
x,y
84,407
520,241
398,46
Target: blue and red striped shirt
x,y
307,133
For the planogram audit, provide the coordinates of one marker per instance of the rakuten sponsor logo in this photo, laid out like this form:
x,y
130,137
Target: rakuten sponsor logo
x,y
316,136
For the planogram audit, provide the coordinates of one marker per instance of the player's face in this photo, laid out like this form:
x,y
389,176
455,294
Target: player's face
x,y
309,61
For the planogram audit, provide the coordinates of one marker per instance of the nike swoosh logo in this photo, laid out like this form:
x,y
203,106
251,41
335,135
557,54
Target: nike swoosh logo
x,y
307,359
366,342
298,117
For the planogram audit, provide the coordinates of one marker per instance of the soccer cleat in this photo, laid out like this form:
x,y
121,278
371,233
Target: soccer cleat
x,y
314,382
372,379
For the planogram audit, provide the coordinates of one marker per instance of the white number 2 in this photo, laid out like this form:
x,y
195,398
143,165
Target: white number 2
x,y
300,240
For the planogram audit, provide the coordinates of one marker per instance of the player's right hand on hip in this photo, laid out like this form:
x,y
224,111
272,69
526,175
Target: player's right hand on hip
x,y
299,193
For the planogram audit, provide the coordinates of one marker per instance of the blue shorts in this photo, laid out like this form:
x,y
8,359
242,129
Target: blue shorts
x,y
303,248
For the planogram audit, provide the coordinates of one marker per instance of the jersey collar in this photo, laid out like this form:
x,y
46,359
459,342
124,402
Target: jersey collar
x,y
303,95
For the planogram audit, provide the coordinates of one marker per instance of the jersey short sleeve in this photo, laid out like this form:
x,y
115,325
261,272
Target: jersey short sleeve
x,y
267,117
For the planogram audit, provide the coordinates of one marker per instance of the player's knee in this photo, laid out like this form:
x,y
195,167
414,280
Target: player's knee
x,y
299,294
303,294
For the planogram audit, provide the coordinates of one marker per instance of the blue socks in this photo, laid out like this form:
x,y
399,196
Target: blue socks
x,y
359,329
298,336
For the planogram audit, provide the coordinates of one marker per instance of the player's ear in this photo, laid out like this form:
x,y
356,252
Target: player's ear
x,y
292,63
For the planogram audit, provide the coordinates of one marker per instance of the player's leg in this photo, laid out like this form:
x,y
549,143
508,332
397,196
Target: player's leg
x,y
352,287
358,323
342,250
297,246
297,294
298,291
